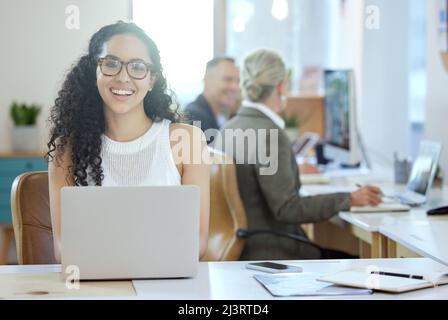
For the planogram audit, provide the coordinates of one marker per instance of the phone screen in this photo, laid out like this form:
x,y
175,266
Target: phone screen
x,y
271,265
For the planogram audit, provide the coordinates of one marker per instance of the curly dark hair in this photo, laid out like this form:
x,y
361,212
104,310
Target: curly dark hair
x,y
77,117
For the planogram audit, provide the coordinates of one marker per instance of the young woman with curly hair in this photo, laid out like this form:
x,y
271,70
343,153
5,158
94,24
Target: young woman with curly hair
x,y
113,124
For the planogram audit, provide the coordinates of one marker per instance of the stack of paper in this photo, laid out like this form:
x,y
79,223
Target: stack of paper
x,y
303,284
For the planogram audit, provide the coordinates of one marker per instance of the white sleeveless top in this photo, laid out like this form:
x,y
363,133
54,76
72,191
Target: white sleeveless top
x,y
145,161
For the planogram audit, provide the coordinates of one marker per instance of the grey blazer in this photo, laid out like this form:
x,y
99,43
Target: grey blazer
x,y
272,201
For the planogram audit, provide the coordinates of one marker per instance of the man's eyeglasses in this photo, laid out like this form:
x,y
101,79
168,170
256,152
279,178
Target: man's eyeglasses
x,y
137,69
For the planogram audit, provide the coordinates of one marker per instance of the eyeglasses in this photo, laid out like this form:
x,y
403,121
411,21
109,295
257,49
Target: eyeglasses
x,y
137,69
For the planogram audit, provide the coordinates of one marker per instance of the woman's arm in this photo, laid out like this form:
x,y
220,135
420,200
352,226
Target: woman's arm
x,y
191,156
58,177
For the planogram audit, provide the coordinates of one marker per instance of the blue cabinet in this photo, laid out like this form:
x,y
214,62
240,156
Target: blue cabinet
x,y
10,167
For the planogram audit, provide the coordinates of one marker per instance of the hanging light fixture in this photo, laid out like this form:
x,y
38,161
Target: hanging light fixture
x,y
243,12
280,9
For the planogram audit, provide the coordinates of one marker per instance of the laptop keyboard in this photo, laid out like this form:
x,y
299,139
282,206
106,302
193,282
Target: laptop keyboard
x,y
410,199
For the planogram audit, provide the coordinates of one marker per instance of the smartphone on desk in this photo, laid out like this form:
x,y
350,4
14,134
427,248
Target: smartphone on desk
x,y
272,267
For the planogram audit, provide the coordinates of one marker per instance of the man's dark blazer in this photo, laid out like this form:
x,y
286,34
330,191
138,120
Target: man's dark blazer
x,y
200,110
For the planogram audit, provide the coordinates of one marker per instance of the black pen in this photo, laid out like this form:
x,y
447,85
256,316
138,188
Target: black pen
x,y
402,275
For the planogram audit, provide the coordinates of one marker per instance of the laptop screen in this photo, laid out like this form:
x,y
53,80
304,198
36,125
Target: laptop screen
x,y
424,168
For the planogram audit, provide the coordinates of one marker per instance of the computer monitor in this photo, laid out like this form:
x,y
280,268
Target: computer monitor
x,y
424,167
341,133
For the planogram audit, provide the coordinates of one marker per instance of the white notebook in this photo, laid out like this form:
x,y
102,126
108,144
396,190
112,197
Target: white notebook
x,y
314,178
386,206
386,279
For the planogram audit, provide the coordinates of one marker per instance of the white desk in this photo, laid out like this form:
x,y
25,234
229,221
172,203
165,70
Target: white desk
x,y
368,226
372,221
226,281
45,282
370,243
427,238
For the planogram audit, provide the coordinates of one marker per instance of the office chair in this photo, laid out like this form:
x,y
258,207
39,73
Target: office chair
x,y
32,219
227,213
228,224
325,253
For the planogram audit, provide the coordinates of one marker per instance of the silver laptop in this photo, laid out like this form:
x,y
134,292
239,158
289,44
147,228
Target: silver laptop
x,y
422,174
130,232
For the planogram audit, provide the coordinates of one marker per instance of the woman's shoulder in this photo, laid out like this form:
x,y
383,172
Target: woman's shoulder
x,y
185,126
187,137
182,129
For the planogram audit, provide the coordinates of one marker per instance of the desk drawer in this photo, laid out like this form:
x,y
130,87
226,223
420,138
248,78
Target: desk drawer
x,y
5,214
7,166
6,181
5,189
10,168
6,185
5,197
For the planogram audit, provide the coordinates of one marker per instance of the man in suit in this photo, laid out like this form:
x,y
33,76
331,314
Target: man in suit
x,y
267,172
221,95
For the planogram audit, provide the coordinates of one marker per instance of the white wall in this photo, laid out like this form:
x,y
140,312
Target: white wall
x,y
346,41
314,37
384,115
38,49
437,91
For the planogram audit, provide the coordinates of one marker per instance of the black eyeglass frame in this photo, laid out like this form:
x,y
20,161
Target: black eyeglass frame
x,y
122,63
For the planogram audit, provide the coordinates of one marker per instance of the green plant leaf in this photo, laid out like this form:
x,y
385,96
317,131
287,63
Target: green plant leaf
x,y
24,115
291,122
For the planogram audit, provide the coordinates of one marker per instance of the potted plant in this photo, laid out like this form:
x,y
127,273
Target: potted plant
x,y
25,131
291,127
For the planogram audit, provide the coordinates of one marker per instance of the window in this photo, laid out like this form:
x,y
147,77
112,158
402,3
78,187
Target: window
x,y
183,32
296,29
270,24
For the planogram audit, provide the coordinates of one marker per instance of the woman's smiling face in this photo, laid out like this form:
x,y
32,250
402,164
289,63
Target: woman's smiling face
x,y
121,93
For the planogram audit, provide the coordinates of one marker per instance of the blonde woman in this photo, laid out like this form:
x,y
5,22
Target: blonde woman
x,y
271,197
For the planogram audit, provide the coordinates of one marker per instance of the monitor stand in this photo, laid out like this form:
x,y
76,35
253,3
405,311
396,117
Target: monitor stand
x,y
320,154
356,165
341,157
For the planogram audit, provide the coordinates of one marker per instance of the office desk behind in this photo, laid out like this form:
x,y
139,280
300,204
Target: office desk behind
x,y
344,234
428,238
365,226
368,226
216,280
